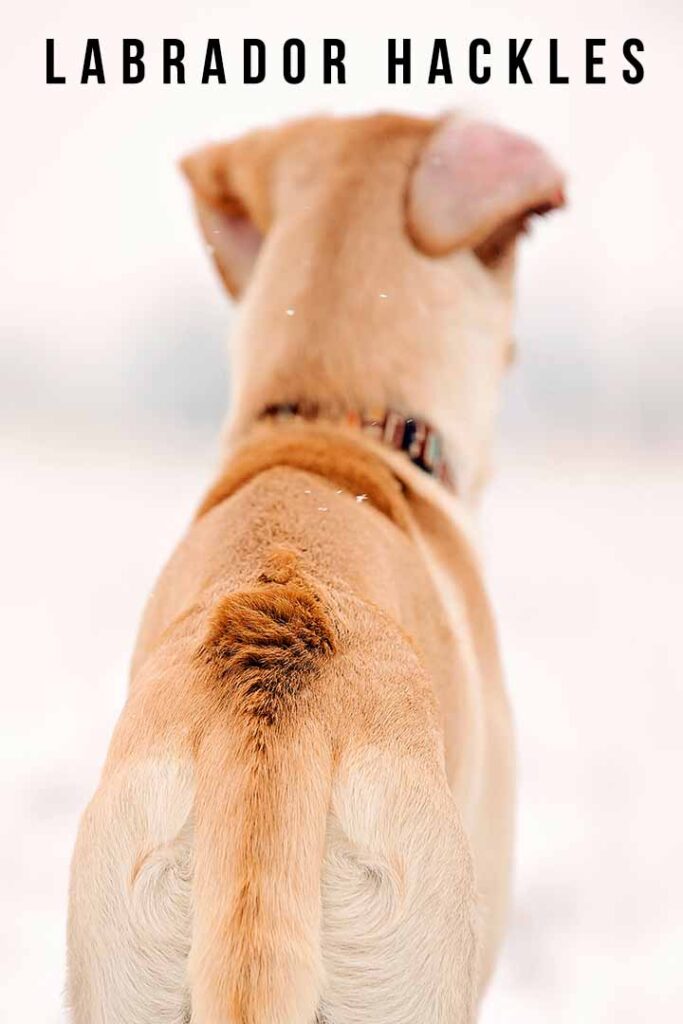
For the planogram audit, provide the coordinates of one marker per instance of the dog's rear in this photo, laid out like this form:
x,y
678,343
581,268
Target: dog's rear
x,y
313,765
274,838
343,864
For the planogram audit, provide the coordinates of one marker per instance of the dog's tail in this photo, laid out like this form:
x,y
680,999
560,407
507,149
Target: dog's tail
x,y
263,790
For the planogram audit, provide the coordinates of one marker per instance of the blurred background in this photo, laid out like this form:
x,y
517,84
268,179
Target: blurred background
x,y
114,342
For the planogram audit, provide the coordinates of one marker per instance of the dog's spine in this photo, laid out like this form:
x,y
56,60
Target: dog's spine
x,y
263,785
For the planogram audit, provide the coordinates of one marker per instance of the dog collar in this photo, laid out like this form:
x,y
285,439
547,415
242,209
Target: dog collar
x,y
420,441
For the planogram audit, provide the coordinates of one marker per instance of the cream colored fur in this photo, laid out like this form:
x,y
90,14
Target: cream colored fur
x,y
306,811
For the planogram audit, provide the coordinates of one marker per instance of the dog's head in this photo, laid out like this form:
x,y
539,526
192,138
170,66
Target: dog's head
x,y
375,259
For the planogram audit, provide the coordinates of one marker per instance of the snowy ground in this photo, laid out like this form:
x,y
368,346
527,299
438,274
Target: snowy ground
x,y
585,564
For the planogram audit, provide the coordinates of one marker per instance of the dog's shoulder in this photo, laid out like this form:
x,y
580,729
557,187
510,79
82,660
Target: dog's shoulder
x,y
328,453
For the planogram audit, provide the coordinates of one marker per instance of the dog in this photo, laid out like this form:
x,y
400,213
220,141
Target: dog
x,y
306,812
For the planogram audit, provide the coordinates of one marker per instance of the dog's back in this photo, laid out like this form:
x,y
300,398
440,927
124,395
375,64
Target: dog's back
x,y
274,836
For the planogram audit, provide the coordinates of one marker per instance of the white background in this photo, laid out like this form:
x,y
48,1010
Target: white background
x,y
112,384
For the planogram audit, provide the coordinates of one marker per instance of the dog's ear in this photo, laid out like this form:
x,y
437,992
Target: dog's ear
x,y
475,186
231,198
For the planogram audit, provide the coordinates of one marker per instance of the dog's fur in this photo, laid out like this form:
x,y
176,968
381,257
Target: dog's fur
x,y
306,811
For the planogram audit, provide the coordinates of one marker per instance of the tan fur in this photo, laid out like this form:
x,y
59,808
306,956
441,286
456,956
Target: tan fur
x,y
306,810
264,647
325,451
265,642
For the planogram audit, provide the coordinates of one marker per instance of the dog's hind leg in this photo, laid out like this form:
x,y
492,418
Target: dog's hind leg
x,y
130,902
399,912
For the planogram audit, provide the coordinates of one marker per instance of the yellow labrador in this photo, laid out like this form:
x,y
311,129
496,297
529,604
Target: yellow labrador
x,y
306,811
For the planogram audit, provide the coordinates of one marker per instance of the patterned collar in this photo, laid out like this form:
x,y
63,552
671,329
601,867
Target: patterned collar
x,y
418,439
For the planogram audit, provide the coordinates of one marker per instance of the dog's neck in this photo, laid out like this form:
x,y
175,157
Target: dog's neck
x,y
333,321
335,318
419,441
